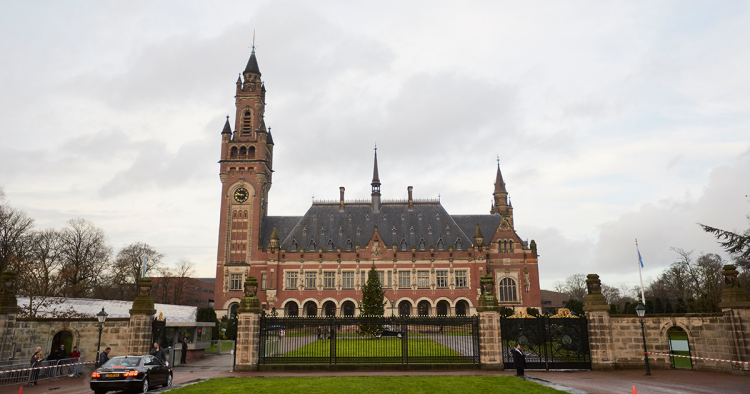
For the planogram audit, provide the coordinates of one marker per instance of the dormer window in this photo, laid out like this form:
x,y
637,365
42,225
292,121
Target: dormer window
x,y
304,230
340,231
429,230
394,230
447,230
411,230
358,230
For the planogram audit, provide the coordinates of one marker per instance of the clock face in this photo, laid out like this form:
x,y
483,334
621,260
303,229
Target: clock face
x,y
241,195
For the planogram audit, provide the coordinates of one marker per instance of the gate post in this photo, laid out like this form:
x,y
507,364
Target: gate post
x,y
736,308
248,329
490,340
600,332
141,317
8,310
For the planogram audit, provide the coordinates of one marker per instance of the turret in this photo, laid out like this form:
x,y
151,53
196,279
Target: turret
x,y
375,185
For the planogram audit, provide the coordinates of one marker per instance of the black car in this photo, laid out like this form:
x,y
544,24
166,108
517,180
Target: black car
x,y
389,331
138,373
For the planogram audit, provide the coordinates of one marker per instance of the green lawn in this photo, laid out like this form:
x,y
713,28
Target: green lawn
x,y
369,384
384,347
225,347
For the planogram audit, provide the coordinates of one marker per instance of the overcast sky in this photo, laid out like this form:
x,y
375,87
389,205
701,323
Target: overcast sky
x,y
613,121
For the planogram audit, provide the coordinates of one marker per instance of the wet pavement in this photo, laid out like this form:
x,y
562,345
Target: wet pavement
x,y
578,382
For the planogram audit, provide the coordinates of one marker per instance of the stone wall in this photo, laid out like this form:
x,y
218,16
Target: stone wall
x,y
139,327
32,332
709,336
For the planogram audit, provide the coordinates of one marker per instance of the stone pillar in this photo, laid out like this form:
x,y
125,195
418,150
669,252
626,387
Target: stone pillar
x,y
599,328
8,311
248,328
490,341
736,308
141,317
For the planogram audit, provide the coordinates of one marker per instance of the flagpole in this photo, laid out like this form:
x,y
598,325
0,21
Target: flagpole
x,y
640,275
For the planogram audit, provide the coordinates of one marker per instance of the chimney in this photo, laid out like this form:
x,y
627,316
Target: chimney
x,y
341,199
411,201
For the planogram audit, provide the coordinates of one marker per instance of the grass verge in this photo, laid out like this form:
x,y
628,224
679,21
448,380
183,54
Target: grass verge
x,y
384,347
369,384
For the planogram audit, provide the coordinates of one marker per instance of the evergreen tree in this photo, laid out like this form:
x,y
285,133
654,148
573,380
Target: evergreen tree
x,y
658,305
668,308
614,309
692,307
373,303
505,311
681,307
575,306
649,306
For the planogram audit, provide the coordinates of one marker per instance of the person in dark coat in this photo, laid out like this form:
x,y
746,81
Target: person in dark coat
x,y
158,352
183,354
104,357
61,353
35,359
519,360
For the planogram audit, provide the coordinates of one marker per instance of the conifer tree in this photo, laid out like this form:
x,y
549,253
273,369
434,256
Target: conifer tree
x,y
373,295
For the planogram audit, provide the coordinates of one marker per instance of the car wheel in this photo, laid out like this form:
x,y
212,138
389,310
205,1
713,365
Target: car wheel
x,y
399,335
169,381
145,385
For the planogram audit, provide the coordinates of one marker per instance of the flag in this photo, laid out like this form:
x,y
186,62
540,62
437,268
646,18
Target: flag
x,y
639,258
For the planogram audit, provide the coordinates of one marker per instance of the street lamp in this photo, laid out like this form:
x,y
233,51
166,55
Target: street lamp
x,y
102,317
641,310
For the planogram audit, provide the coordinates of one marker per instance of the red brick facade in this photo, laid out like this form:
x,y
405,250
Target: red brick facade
x,y
315,264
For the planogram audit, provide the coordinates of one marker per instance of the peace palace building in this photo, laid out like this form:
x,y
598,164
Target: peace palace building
x,y
316,264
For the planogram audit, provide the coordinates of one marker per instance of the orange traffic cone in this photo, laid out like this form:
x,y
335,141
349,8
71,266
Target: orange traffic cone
x,y
634,392
20,390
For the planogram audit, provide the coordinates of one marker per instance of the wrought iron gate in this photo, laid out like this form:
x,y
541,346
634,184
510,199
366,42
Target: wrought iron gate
x,y
369,340
547,342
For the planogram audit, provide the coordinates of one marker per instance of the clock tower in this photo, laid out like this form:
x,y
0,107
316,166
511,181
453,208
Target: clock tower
x,y
245,172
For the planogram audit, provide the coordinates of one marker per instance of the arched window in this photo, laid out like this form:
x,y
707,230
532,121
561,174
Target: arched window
x,y
233,310
458,244
234,215
251,152
247,122
330,245
233,152
291,309
440,244
403,244
507,290
348,244
243,151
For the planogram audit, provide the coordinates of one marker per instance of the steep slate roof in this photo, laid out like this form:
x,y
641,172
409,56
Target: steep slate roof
x,y
499,183
487,223
252,65
322,222
283,224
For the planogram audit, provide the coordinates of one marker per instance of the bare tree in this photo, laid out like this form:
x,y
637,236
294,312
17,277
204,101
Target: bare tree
x,y
15,227
687,278
84,254
574,286
39,272
129,266
173,285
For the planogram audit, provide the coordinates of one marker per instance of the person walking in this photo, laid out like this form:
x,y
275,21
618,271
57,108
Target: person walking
x,y
158,352
74,356
104,357
183,353
36,358
519,360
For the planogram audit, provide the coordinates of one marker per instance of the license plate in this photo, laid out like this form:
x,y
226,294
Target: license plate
x,y
113,375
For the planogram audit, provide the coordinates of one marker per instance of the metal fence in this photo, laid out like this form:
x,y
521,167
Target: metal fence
x,y
22,373
547,342
369,340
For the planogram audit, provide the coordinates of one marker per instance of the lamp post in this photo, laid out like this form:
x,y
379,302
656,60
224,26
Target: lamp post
x,y
102,317
641,310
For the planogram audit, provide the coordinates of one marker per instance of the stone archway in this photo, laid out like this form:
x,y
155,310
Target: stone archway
x,y
311,309
404,308
442,308
64,338
291,309
423,308
462,308
348,308
329,308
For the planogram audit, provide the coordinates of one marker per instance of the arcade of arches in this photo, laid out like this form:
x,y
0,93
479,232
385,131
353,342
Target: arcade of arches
x,y
349,308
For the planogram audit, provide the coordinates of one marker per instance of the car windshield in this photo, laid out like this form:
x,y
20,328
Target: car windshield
x,y
122,362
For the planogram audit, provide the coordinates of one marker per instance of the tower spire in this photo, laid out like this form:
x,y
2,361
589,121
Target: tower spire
x,y
499,183
375,184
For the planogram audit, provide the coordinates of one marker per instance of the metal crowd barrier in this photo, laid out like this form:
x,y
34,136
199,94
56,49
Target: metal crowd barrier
x,y
22,373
